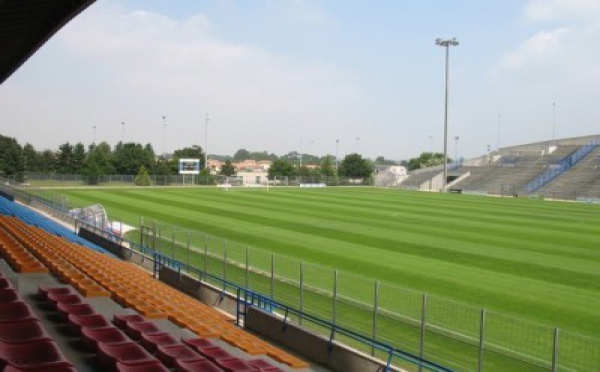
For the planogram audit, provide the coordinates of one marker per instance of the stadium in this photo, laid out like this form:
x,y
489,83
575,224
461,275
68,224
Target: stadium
x,y
486,264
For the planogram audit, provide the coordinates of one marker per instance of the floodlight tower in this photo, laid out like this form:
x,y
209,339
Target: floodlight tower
x,y
206,142
164,137
337,162
446,44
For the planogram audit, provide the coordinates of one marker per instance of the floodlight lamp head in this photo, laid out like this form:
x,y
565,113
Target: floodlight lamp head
x,y
446,43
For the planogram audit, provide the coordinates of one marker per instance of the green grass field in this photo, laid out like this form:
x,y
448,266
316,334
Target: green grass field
x,y
530,259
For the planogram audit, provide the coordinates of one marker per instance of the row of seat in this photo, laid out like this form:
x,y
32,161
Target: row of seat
x,y
24,343
19,258
95,274
33,218
132,343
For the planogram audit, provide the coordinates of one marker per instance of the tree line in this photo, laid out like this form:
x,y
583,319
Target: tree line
x,y
131,158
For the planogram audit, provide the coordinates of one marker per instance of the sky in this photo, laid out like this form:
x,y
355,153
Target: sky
x,y
315,76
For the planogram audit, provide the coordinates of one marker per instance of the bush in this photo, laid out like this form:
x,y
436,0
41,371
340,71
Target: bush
x,y
142,178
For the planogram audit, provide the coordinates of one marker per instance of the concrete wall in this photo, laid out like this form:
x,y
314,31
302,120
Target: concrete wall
x,y
308,344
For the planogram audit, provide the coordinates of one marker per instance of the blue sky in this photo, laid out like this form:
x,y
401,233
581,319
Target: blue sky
x,y
289,75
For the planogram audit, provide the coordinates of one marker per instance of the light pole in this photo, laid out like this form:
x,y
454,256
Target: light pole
x,y
337,162
94,143
206,142
300,154
446,44
164,137
123,138
431,144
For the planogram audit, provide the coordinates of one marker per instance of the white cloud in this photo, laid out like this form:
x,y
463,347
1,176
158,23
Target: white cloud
x,y
563,10
153,65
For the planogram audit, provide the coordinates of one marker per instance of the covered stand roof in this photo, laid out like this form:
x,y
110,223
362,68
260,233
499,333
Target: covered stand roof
x,y
25,25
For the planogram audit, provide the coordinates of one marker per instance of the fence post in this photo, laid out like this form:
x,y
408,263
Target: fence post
x,y
154,235
301,291
205,256
423,326
142,230
335,289
189,244
555,350
224,263
247,268
172,240
375,311
481,340
272,276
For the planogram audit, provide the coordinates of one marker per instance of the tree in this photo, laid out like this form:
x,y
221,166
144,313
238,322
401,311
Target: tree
x,y
47,162
241,155
426,159
78,159
380,160
327,166
64,159
98,163
30,158
143,177
354,166
228,169
281,168
128,158
11,158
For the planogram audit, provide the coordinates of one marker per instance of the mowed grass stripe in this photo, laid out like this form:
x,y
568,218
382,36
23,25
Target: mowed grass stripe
x,y
505,247
443,245
300,235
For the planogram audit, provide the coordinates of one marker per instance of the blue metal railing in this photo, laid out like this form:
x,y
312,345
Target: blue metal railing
x,y
563,165
247,298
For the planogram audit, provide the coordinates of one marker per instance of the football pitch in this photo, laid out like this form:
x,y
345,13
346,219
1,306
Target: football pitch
x,y
525,258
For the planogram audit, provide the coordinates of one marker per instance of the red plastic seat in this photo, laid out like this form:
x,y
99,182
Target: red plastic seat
x,y
94,321
204,365
128,353
76,309
44,290
56,368
150,342
16,311
135,330
25,331
169,354
215,353
155,366
121,320
264,366
235,365
38,355
198,343
91,337
8,295
55,298
5,283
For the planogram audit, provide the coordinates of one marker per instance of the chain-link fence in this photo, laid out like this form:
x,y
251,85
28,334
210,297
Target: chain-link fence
x,y
440,330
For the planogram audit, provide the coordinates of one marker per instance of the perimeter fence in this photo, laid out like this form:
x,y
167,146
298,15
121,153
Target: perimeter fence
x,y
437,329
